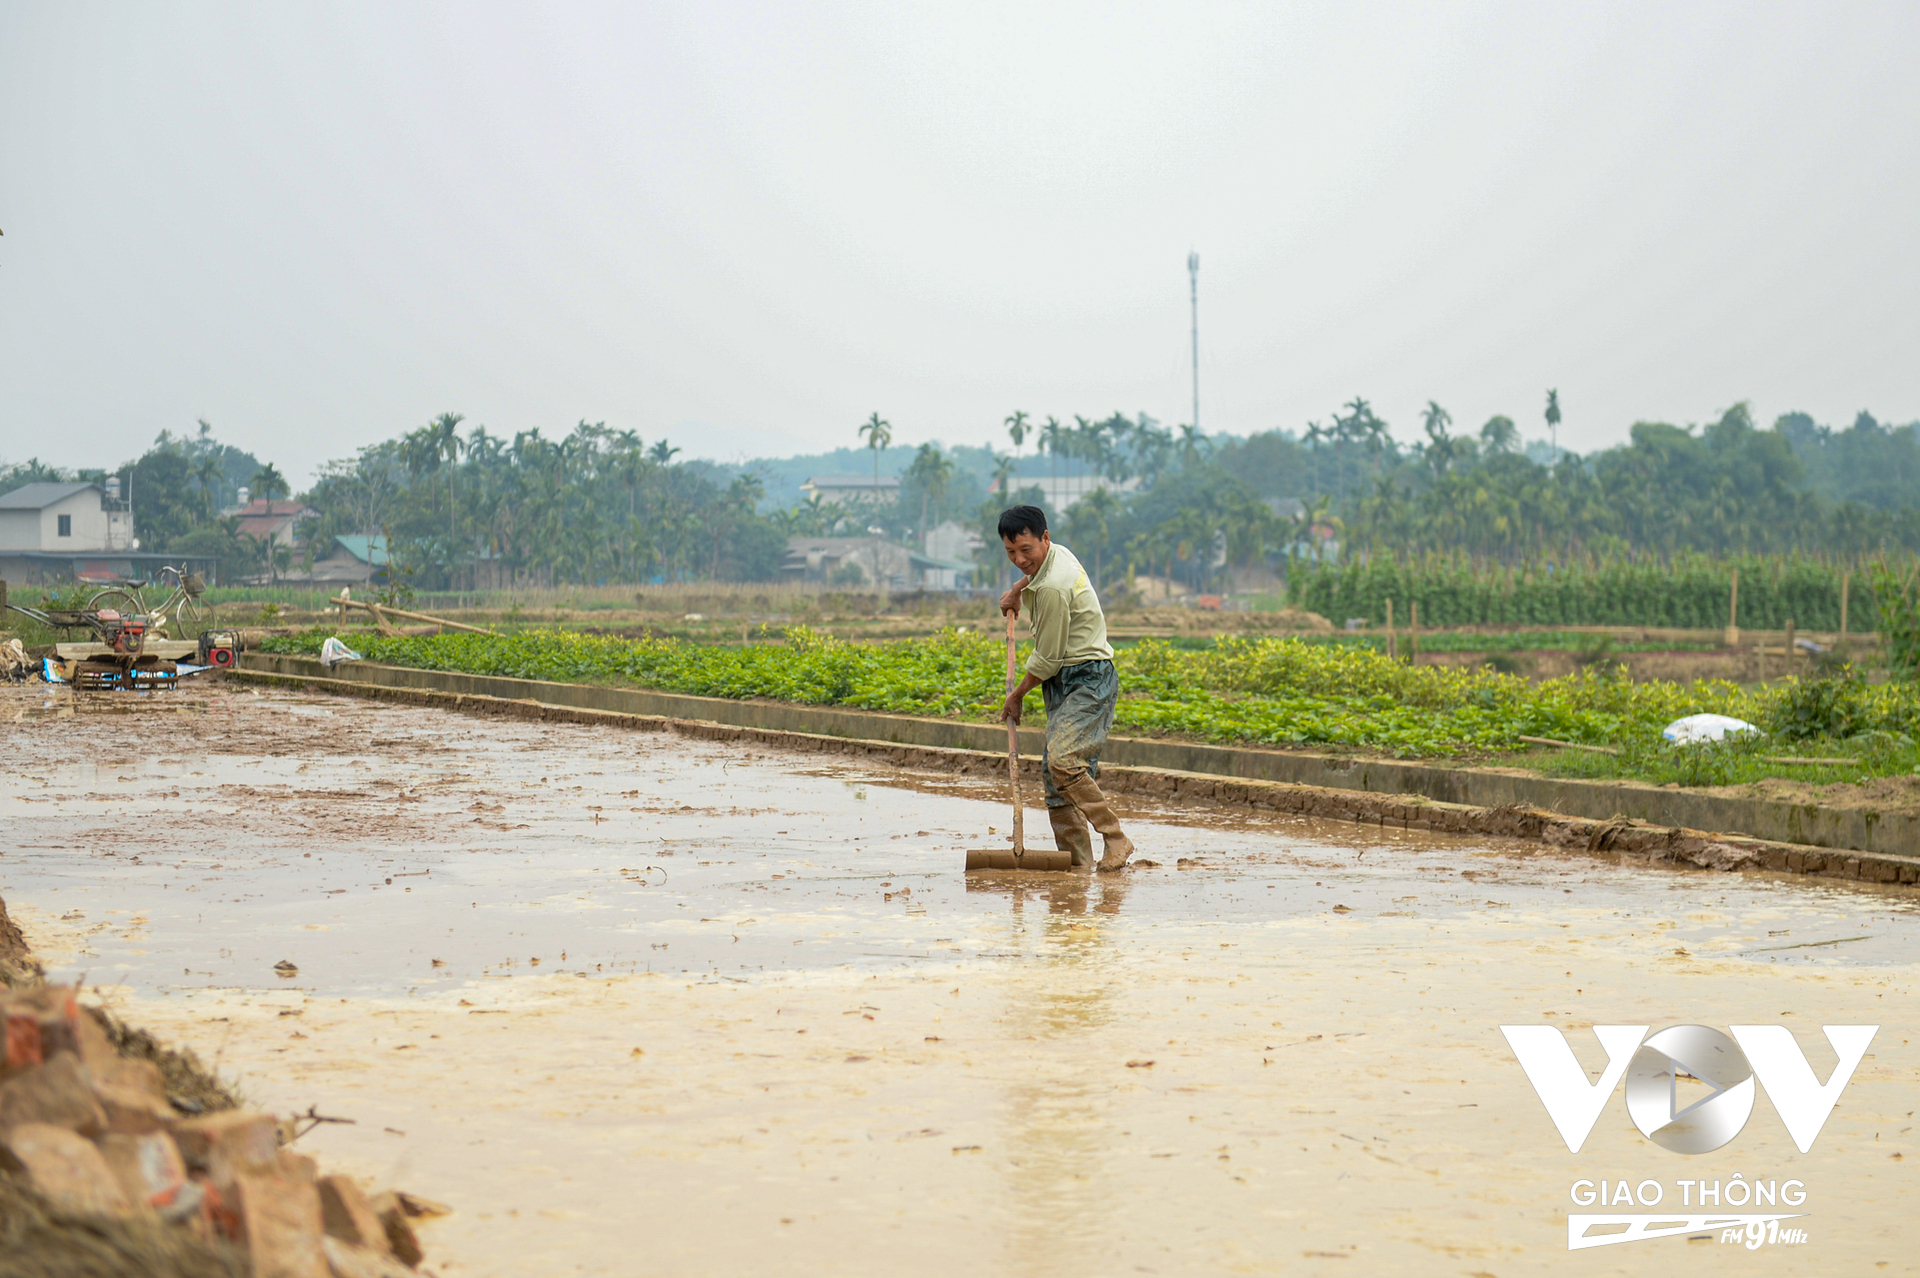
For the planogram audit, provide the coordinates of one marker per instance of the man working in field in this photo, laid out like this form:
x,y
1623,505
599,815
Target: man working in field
x,y
1072,665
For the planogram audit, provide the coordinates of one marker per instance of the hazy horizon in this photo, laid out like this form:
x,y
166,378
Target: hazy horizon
x,y
744,228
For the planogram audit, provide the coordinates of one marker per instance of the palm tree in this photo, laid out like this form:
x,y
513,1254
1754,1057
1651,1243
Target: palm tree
x,y
1192,444
1050,435
930,472
207,473
1440,448
1004,469
1152,446
448,446
878,434
1315,433
662,452
268,482
1083,443
1553,423
1017,429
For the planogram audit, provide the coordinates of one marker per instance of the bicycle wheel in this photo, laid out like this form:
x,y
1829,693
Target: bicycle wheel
x,y
194,617
122,601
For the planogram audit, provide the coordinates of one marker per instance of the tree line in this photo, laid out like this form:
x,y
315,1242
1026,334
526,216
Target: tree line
x,y
462,507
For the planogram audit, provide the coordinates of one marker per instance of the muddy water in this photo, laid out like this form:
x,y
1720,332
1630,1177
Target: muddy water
x,y
634,1004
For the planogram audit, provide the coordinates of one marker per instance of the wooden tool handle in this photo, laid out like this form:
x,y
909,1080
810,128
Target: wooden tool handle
x,y
1013,752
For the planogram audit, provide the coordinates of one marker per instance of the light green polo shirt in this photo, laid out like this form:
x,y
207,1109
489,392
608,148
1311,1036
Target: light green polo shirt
x,y
1064,615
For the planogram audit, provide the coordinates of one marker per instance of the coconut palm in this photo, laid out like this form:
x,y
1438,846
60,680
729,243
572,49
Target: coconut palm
x,y
448,446
1315,433
1192,444
1553,423
1440,447
1017,429
1050,436
207,473
878,434
1004,470
930,471
268,482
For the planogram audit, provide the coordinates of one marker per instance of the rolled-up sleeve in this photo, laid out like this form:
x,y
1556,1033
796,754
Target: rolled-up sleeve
x,y
1049,610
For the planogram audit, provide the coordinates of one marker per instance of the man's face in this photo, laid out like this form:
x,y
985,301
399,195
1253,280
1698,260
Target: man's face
x,y
1028,552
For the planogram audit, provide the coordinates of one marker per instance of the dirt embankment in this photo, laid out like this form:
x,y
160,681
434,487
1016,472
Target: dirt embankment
x,y
13,948
121,1156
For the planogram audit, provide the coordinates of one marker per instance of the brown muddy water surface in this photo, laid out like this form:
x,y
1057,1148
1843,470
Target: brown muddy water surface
x,y
635,1004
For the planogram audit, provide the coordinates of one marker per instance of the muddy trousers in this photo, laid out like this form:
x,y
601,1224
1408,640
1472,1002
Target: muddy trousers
x,y
1080,701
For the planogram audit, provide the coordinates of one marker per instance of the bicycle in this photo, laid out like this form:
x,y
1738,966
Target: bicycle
x,y
183,603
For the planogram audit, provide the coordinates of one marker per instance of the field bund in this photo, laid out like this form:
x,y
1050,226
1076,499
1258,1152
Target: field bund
x,y
1796,837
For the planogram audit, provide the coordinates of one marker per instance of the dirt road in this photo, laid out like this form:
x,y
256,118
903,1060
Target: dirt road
x,y
638,1005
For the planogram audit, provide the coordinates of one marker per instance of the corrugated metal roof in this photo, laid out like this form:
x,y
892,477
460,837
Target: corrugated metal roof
x,y
39,496
368,550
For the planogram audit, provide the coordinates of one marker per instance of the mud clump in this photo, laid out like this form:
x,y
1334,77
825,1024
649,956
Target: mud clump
x,y
15,962
119,1156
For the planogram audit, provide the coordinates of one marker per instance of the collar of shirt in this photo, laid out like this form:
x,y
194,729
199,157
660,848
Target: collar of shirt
x,y
1046,566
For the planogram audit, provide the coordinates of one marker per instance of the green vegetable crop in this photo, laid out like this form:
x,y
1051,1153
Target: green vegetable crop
x,y
1268,691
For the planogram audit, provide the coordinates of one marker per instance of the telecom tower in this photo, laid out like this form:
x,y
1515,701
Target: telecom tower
x,y
1193,276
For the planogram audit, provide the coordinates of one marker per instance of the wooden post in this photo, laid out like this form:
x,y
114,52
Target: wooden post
x,y
1760,660
1413,633
1790,654
1733,612
1390,643
1845,576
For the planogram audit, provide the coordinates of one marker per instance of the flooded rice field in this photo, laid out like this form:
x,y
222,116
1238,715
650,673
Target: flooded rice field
x,y
635,1004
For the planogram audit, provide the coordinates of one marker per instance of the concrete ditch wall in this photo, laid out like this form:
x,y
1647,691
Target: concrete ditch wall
x,y
1859,830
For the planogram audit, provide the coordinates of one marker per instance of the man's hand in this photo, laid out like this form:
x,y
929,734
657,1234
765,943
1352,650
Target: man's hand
x,y
1010,708
1010,602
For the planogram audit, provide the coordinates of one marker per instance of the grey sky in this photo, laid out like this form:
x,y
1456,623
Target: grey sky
x,y
747,227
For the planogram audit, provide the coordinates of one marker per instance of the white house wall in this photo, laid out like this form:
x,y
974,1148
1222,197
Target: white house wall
x,y
40,529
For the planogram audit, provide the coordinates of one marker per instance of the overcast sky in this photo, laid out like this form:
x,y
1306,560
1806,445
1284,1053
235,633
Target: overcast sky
x,y
746,227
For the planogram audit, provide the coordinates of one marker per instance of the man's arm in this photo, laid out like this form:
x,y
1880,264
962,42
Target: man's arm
x,y
1010,709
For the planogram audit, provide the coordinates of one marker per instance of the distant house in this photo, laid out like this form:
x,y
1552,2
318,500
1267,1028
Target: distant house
x,y
850,490
868,563
55,532
952,541
54,517
275,522
351,561
1060,494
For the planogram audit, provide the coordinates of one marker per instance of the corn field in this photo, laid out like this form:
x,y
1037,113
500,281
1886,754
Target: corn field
x,y
1685,592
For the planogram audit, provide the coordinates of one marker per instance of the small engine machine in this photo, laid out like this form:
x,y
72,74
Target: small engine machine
x,y
220,649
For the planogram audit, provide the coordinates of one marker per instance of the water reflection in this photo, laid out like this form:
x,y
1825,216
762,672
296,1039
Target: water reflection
x,y
1055,1123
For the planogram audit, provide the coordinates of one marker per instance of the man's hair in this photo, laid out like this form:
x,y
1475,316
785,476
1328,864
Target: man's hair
x,y
1015,520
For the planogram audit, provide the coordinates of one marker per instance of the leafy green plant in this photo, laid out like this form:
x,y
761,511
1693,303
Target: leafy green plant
x,y
1280,691
1832,704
